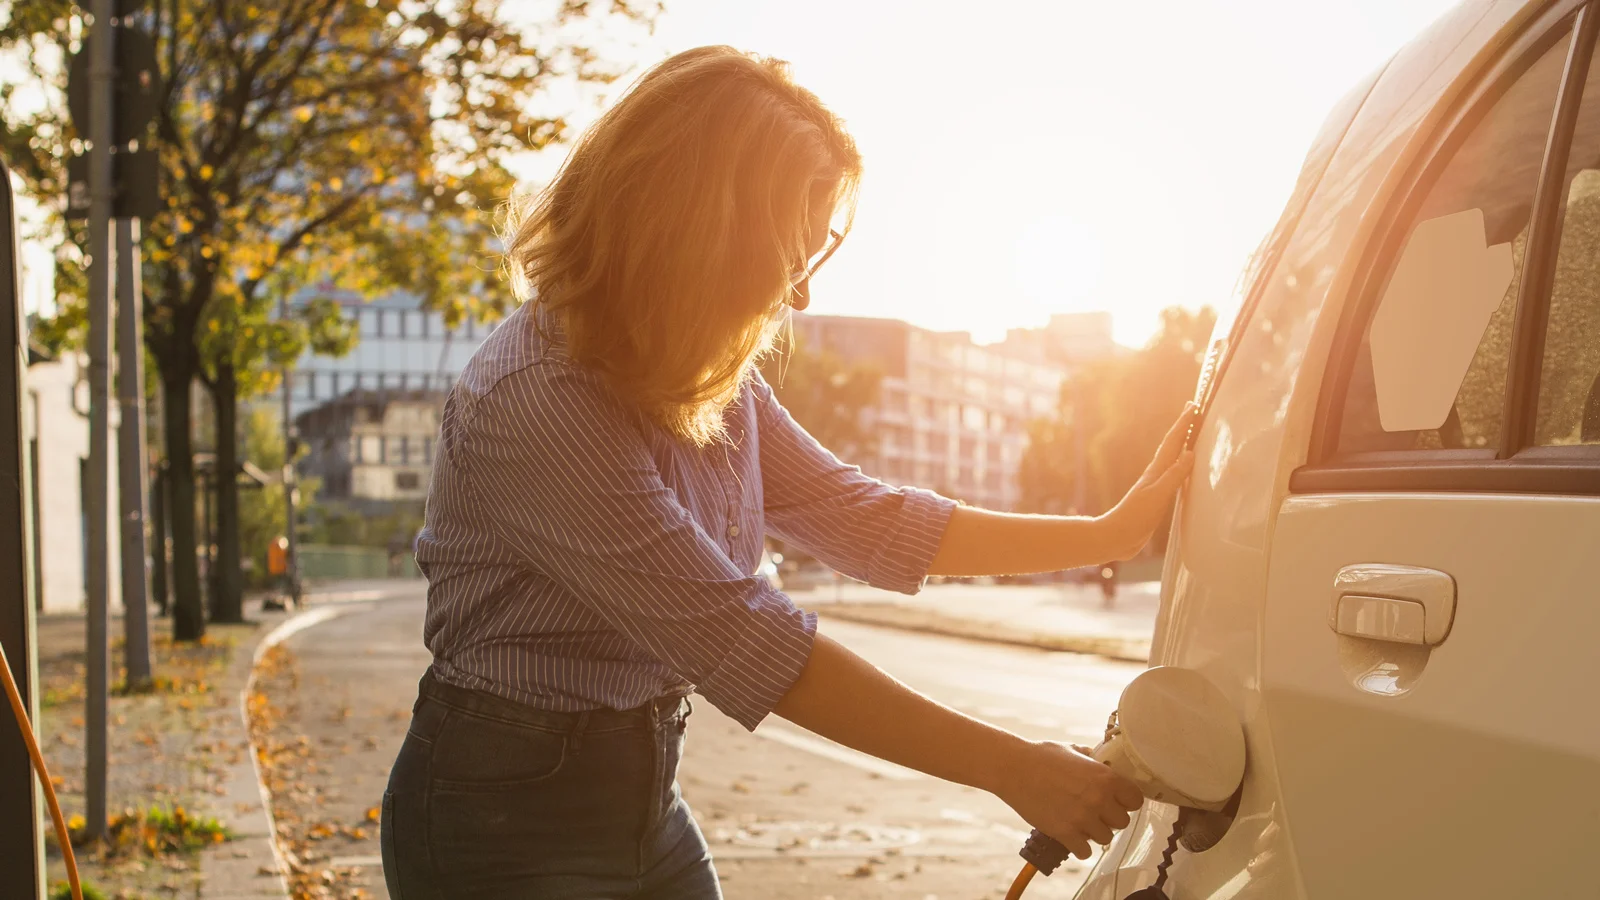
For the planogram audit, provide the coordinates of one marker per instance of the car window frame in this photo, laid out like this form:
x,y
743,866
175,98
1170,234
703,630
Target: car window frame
x,y
1513,464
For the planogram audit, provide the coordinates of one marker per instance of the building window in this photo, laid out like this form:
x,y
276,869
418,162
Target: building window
x,y
378,323
427,451
407,481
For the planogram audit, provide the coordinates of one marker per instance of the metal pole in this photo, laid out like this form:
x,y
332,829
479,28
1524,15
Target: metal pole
x,y
132,471
291,569
102,74
158,540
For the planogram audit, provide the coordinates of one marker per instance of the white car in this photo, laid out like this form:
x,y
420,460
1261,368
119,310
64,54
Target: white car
x,y
1388,557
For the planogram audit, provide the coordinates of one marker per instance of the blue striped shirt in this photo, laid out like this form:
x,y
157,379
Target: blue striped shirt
x,y
578,556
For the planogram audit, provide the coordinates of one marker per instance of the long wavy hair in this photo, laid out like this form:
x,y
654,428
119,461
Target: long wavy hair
x,y
665,245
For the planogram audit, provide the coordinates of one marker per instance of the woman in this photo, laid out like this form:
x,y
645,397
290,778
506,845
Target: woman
x,y
608,463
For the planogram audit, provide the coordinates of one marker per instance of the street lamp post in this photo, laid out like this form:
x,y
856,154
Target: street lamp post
x,y
292,560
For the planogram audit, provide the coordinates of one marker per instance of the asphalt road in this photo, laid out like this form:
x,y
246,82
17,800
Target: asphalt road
x,y
788,814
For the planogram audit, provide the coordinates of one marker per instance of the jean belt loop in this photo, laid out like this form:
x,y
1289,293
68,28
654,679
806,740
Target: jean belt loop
x,y
578,728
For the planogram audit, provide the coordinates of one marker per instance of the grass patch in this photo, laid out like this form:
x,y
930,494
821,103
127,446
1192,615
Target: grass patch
x,y
62,890
156,831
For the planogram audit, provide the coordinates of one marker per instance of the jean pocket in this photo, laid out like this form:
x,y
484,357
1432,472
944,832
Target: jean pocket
x,y
586,815
477,753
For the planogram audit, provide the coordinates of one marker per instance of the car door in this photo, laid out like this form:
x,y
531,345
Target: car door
x,y
1433,592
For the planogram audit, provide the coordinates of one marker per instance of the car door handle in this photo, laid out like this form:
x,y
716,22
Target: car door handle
x,y
1400,604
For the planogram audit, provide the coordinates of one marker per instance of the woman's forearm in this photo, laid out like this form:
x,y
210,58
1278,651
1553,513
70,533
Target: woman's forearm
x,y
843,697
981,542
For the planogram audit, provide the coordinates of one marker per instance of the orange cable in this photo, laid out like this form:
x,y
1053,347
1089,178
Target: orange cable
x,y
28,737
1021,884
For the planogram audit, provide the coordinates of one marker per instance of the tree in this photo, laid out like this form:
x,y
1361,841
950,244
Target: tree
x,y
363,144
1124,405
828,395
1143,399
1050,469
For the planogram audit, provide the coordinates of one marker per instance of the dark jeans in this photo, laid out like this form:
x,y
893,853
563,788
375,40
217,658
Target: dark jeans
x,y
491,798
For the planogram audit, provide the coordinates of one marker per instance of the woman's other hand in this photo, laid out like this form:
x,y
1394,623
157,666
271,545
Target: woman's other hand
x,y
1067,795
1129,524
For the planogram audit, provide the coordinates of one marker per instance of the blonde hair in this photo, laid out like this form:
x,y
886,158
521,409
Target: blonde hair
x,y
666,243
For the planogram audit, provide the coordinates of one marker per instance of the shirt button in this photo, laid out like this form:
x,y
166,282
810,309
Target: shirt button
x,y
733,531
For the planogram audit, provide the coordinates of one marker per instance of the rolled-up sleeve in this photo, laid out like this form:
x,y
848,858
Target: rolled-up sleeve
x,y
886,536
560,471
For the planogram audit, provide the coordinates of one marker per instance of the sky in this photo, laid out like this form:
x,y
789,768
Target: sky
x,y
1030,157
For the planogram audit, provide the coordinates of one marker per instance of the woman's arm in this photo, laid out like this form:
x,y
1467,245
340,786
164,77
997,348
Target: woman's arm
x,y
1066,795
980,542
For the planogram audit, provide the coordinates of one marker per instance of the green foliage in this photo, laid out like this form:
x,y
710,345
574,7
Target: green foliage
x,y
1121,407
263,513
330,143
828,396
343,526
62,890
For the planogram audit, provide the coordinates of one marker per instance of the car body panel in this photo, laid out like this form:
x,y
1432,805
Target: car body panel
x,y
1393,758
1256,432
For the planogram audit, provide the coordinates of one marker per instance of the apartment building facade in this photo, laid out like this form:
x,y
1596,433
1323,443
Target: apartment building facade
x,y
372,448
401,347
953,415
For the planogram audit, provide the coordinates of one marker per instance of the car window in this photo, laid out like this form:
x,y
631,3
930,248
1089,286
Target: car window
x,y
1430,371
1569,377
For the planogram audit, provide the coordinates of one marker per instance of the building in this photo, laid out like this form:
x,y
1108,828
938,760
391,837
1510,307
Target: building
x,y
952,416
56,413
372,448
401,347
1068,340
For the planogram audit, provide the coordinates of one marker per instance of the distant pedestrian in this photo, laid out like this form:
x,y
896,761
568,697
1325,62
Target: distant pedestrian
x,y
1108,584
278,574
609,463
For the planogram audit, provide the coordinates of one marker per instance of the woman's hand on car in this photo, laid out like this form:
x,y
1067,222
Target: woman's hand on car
x,y
1129,524
1067,795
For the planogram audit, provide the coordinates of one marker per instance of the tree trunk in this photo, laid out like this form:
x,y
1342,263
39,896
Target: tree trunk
x,y
228,603
188,615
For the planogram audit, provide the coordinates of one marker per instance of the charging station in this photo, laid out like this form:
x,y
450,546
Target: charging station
x,y
21,839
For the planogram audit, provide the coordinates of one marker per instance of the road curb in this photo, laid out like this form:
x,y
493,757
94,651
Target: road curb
x,y
246,867
255,866
908,618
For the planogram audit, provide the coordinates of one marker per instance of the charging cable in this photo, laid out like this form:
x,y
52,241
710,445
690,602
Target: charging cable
x,y
1021,884
28,737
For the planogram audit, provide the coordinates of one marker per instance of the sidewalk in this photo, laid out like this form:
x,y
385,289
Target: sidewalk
x,y
183,745
1051,617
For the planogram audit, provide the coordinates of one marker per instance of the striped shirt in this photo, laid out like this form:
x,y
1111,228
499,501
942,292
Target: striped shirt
x,y
579,557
